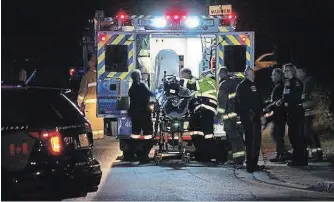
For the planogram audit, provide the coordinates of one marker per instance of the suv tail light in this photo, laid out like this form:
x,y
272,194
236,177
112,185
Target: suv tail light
x,y
52,139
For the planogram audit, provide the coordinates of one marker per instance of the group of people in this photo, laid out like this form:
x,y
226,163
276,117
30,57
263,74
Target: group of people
x,y
299,90
290,99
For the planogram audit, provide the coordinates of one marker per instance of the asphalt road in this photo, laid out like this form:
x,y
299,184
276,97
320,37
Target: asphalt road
x,y
173,180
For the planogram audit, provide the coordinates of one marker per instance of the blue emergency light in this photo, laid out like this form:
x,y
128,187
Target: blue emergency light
x,y
192,22
163,22
159,22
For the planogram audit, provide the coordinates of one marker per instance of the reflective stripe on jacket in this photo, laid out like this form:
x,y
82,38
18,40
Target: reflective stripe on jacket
x,y
226,97
207,94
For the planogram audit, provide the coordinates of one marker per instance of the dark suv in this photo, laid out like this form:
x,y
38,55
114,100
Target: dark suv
x,y
46,145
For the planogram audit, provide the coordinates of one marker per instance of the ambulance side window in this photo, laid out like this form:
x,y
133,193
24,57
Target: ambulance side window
x,y
116,59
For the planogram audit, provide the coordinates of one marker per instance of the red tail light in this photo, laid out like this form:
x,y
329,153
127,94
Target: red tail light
x,y
52,139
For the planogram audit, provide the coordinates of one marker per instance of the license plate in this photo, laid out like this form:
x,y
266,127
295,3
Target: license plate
x,y
83,139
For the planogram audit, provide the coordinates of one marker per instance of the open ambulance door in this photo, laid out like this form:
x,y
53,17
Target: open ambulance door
x,y
116,58
235,50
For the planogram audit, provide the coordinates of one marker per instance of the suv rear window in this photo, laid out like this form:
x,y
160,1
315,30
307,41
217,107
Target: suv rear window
x,y
38,108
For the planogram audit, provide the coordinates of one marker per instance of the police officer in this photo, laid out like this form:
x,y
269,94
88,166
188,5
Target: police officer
x,y
226,99
279,116
309,101
139,111
87,98
249,106
292,99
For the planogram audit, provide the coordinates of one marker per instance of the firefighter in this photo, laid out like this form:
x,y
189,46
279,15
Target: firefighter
x,y
226,111
87,99
207,96
249,107
205,109
139,110
279,116
309,101
292,101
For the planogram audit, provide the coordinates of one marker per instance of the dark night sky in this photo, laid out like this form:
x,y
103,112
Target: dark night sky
x,y
51,30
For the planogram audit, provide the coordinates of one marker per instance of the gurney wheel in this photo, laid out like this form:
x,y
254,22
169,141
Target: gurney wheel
x,y
157,160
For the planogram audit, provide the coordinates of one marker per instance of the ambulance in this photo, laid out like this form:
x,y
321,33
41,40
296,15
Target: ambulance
x,y
157,43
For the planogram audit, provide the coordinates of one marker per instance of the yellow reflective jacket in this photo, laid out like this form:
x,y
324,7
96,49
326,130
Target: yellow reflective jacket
x,y
87,91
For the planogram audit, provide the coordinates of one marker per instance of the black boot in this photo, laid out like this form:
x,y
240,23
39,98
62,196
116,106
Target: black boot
x,y
279,158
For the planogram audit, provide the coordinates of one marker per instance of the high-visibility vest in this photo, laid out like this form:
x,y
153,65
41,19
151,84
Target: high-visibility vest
x,y
191,84
207,93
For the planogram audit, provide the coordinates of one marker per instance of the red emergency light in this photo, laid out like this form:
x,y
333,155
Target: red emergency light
x,y
121,15
228,20
102,37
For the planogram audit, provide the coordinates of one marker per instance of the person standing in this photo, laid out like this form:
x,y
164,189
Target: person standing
x,y
87,99
292,101
139,111
279,116
226,110
309,103
249,107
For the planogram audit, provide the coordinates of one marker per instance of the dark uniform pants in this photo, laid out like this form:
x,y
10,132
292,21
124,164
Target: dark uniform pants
x,y
202,120
142,121
235,139
313,139
296,136
252,128
277,133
